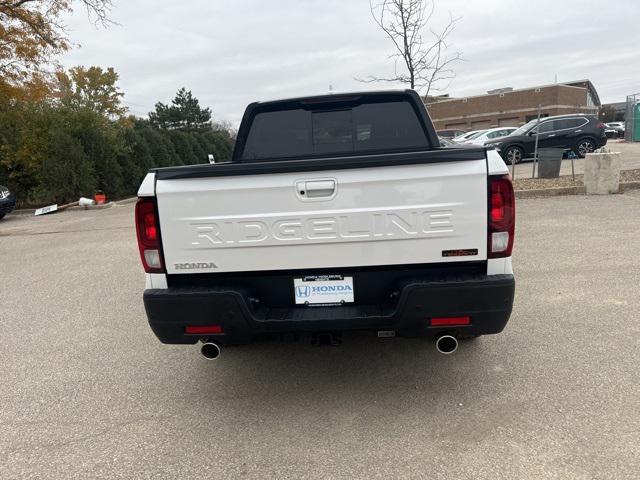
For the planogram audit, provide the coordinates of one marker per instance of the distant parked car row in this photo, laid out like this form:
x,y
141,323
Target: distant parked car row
x,y
483,136
614,129
466,136
579,133
450,133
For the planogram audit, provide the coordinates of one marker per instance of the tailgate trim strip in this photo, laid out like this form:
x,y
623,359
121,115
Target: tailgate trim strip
x,y
438,155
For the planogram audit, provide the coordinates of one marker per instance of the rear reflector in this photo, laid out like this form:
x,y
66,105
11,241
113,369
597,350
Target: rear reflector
x,y
499,241
152,258
449,321
202,329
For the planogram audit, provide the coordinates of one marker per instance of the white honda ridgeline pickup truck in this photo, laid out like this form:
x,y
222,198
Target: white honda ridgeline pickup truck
x,y
336,213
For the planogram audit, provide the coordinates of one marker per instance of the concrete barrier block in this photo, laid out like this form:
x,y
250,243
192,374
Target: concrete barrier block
x,y
602,173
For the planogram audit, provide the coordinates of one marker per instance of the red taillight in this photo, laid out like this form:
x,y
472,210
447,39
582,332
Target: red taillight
x,y
601,125
497,207
502,217
148,232
202,329
449,321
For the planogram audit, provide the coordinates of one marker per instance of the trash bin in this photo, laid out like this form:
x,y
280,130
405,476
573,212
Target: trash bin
x,y
549,162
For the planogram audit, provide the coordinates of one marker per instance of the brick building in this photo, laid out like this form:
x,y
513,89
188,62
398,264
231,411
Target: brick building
x,y
507,107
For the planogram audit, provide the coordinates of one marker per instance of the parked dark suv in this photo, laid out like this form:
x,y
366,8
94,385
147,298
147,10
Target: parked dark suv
x,y
580,133
7,201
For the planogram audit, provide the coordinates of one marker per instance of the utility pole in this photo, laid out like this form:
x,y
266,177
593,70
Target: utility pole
x,y
535,151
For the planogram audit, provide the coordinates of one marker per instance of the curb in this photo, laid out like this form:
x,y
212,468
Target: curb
x,y
126,201
92,207
31,211
551,192
628,186
575,190
23,211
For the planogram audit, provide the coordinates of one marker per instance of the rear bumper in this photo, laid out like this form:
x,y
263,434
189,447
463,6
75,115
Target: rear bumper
x,y
603,141
486,299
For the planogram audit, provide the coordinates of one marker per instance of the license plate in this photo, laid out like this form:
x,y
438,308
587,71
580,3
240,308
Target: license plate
x,y
323,289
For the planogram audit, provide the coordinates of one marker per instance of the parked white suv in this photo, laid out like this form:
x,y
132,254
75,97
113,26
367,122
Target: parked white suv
x,y
336,213
614,129
467,136
490,135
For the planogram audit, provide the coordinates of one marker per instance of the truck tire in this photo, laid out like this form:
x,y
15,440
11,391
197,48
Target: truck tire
x,y
513,154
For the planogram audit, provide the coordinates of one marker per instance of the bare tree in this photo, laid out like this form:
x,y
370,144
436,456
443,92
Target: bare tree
x,y
422,63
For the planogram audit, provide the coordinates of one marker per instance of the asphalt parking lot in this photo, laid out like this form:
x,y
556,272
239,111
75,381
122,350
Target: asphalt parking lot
x,y
88,392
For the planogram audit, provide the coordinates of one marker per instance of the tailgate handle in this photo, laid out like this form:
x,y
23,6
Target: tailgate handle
x,y
318,188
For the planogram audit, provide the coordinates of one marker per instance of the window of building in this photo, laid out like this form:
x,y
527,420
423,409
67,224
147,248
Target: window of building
x,y
509,122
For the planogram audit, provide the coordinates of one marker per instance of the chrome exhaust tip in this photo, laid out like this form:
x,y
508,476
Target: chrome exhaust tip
x,y
210,350
446,344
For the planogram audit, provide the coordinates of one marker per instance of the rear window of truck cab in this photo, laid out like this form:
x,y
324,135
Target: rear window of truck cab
x,y
315,130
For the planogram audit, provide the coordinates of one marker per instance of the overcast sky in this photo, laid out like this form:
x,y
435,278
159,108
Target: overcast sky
x,y
233,52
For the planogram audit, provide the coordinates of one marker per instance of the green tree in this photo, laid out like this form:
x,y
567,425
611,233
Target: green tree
x,y
59,150
174,157
159,154
101,143
18,145
184,113
134,158
220,143
92,88
183,147
199,151
66,171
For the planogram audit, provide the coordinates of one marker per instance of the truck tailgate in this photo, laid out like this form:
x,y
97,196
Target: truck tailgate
x,y
401,214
